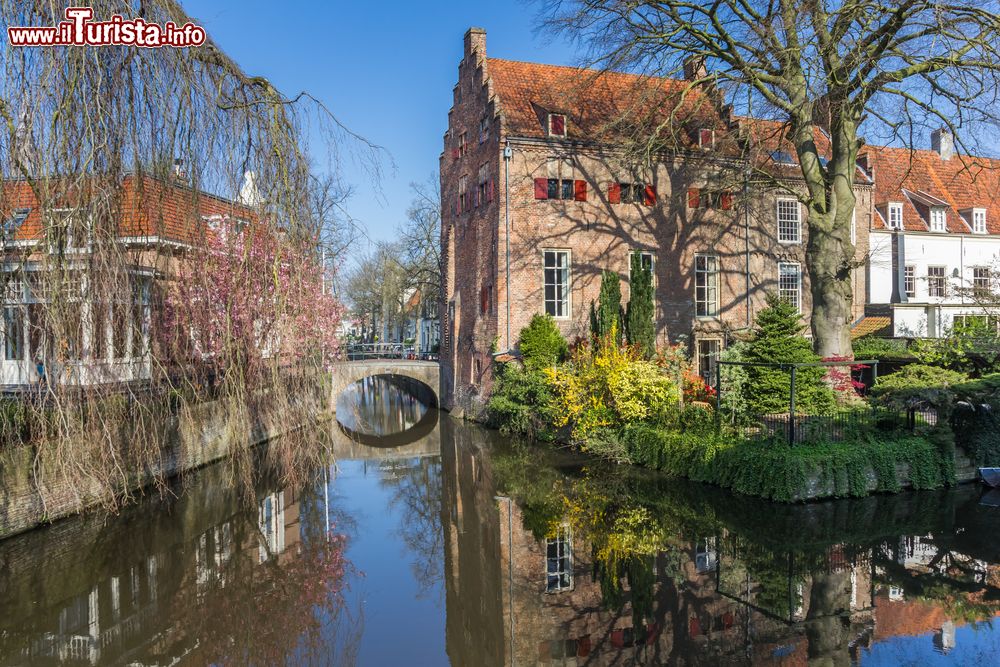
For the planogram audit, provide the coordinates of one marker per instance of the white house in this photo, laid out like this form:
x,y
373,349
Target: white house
x,y
935,236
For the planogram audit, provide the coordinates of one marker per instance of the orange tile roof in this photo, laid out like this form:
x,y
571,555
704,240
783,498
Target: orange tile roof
x,y
915,177
596,102
872,325
146,207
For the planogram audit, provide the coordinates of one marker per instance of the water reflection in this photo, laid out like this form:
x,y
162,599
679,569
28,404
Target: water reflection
x,y
384,405
458,547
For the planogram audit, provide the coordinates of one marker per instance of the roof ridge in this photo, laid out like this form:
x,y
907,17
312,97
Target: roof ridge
x,y
576,68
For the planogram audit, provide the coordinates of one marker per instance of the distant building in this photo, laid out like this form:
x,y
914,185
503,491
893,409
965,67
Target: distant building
x,y
935,238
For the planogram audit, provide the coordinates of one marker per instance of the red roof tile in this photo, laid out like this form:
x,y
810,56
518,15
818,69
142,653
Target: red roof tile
x,y
596,103
917,177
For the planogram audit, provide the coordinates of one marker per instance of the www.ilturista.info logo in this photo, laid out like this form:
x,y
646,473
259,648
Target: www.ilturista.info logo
x,y
79,30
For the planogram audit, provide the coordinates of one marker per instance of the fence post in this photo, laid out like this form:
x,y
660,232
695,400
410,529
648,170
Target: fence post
x,y
718,396
791,412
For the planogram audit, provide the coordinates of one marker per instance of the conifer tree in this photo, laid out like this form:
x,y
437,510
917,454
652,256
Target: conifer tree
x,y
608,316
639,326
778,338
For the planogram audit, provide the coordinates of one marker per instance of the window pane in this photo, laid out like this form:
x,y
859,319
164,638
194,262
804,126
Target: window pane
x,y
789,283
553,188
13,333
788,220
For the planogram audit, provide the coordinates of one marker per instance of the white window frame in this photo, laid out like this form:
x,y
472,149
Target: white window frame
x,y
931,282
854,226
938,219
549,123
797,222
645,254
707,374
979,221
711,309
568,296
563,537
895,221
988,278
782,266
910,281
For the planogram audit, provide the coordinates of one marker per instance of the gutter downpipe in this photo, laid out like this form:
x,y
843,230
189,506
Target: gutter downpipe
x,y
507,154
746,239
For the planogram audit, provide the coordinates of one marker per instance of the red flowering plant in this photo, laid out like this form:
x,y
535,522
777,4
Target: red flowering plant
x,y
841,378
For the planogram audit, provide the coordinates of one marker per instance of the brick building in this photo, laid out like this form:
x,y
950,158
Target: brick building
x,y
540,195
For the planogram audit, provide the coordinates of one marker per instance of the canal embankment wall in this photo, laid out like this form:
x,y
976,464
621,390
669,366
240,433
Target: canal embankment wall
x,y
35,489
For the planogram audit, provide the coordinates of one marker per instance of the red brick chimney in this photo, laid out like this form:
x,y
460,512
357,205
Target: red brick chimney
x,y
475,43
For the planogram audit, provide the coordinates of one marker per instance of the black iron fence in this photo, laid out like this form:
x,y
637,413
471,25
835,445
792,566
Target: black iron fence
x,y
801,418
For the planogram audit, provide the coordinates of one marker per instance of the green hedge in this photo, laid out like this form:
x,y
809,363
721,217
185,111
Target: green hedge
x,y
778,471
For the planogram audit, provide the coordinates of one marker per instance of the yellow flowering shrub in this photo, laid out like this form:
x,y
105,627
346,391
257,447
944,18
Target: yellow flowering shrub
x,y
609,387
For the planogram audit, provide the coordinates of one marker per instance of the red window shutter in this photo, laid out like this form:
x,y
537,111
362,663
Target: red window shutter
x,y
694,197
557,124
706,138
541,188
650,197
618,638
583,647
615,193
454,153
482,300
652,629
489,192
726,200
580,190
694,626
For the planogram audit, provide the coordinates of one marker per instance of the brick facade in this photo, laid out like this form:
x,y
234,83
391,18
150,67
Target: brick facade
x,y
594,225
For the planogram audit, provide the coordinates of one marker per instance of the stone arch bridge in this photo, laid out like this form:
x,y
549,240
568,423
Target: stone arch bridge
x,y
347,373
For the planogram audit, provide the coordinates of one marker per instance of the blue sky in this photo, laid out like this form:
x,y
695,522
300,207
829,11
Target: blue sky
x,y
385,69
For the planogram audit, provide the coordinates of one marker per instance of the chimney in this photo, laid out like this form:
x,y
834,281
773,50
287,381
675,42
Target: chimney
x,y
475,43
943,143
179,173
694,68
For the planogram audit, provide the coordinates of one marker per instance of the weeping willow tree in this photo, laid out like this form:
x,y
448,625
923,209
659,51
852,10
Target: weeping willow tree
x,y
164,253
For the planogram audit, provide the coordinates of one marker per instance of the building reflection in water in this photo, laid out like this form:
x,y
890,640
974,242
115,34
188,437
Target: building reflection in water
x,y
729,581
540,559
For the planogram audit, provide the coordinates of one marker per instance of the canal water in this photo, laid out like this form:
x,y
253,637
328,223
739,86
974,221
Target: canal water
x,y
434,542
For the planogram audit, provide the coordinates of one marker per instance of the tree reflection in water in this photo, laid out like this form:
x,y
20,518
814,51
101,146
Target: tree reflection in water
x,y
541,558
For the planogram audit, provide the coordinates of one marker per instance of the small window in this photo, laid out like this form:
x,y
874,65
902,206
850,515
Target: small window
x,y
982,281
559,561
484,129
486,300
790,283
633,193
789,221
557,125
708,357
782,157
556,281
560,188
484,191
463,143
11,225
979,221
895,216
936,281
938,219
706,285
464,198
910,281
13,324
706,138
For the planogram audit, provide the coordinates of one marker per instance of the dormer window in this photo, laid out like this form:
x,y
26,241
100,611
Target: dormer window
x,y
979,220
11,226
938,219
706,138
895,215
557,125
781,157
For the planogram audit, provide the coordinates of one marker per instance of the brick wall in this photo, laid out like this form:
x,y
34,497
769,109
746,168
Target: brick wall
x,y
598,234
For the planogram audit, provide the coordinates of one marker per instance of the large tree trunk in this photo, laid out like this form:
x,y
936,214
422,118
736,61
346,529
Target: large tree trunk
x,y
829,256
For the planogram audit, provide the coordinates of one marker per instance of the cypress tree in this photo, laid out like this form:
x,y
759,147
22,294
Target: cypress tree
x,y
609,307
639,326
